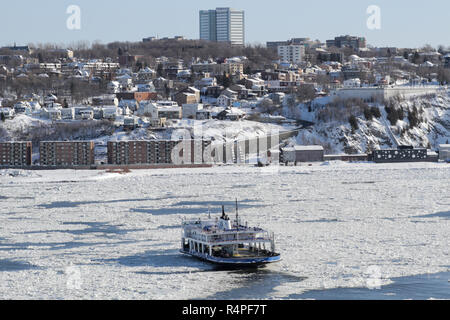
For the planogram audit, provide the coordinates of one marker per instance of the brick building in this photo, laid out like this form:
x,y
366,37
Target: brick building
x,y
138,96
15,153
66,153
156,152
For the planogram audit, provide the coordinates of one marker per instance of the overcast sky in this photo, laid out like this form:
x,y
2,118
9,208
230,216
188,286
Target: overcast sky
x,y
411,23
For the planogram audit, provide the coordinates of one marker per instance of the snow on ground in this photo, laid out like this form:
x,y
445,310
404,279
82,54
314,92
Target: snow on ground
x,y
96,235
230,130
336,135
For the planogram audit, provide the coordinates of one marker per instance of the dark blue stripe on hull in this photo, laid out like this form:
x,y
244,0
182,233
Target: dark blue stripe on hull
x,y
236,262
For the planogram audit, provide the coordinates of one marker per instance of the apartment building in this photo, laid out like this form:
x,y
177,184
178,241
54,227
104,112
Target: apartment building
x,y
208,25
15,153
291,53
218,69
156,152
66,153
347,41
223,25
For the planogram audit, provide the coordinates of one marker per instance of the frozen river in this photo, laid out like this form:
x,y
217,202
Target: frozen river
x,y
362,229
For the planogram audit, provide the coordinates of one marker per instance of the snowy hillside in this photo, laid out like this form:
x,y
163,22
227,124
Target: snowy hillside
x,y
333,130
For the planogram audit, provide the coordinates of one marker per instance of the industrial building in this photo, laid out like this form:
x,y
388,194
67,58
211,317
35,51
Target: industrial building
x,y
347,157
15,153
66,153
402,154
302,154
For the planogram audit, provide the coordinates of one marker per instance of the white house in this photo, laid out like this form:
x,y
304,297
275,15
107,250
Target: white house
x,y
257,84
160,109
133,105
224,101
126,81
113,87
110,113
227,98
51,113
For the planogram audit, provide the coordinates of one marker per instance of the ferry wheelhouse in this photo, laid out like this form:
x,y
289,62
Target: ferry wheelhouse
x,y
225,242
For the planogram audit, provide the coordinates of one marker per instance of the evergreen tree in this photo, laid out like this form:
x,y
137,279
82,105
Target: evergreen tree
x,y
393,116
416,58
413,118
406,55
353,123
368,114
226,81
2,117
400,113
375,112
159,70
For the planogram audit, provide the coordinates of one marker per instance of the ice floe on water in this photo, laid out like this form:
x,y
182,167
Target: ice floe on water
x,y
96,235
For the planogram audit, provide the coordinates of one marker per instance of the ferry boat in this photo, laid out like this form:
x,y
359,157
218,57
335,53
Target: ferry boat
x,y
228,243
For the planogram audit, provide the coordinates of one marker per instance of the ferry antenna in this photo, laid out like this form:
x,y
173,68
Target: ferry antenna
x,y
237,214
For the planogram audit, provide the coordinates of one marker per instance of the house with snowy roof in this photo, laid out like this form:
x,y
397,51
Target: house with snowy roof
x,y
51,113
230,113
160,109
227,98
126,81
113,87
146,74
